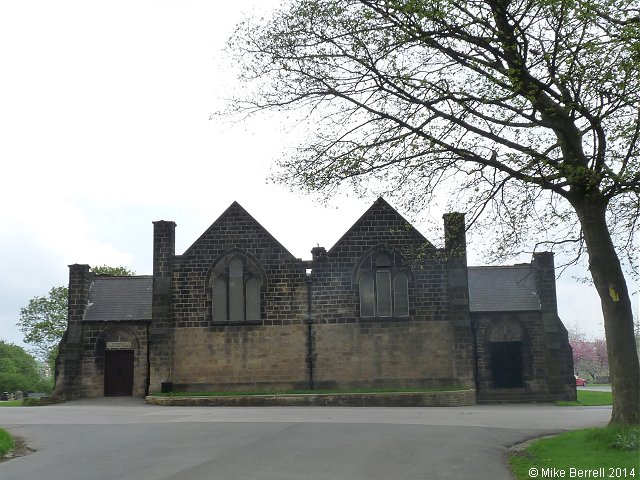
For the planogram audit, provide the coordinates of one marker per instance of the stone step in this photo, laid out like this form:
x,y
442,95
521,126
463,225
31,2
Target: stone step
x,y
512,397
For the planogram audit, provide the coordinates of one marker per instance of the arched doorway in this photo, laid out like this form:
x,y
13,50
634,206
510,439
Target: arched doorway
x,y
506,364
118,373
507,344
118,350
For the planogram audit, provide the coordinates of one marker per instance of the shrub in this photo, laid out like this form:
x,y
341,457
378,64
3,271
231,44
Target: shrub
x,y
6,442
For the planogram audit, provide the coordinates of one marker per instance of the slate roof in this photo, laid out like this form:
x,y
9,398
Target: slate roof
x,y
502,289
119,298
491,289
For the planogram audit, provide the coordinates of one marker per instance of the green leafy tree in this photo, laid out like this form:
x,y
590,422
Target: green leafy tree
x,y
44,320
19,370
523,112
119,271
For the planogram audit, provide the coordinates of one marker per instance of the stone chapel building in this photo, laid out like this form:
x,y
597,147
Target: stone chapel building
x,y
382,308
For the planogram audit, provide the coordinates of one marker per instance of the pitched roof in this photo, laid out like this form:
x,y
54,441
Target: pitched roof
x,y
119,298
501,289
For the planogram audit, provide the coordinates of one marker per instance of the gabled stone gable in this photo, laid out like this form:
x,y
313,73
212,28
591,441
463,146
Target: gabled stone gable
x,y
422,349
231,229
236,231
268,352
335,291
382,223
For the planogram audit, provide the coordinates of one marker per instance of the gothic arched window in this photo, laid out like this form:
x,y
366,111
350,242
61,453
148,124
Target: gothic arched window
x,y
367,296
236,284
383,286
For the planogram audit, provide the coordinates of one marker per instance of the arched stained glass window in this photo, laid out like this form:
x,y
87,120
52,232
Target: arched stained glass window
x,y
253,298
219,299
367,296
383,291
236,290
383,287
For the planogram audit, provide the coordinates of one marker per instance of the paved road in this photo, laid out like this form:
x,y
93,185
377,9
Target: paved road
x,y
125,439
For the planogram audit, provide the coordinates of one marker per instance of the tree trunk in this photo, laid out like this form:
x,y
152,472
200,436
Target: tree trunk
x,y
624,368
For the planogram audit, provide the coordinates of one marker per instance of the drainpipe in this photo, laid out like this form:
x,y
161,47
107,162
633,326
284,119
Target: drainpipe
x,y
148,382
476,370
319,256
309,322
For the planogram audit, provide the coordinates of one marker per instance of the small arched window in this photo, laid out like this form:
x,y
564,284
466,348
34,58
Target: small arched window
x,y
367,296
383,287
235,290
219,299
252,290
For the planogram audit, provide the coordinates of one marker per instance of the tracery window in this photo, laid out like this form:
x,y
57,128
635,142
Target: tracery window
x,y
236,284
383,286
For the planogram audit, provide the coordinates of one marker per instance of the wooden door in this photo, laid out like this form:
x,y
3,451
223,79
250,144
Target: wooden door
x,y
118,373
506,364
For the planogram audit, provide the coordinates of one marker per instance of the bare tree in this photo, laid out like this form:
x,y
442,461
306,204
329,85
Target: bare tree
x,y
523,110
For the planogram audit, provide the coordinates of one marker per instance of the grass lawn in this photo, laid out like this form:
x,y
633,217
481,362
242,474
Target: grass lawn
x,y
11,403
6,442
588,398
307,392
608,448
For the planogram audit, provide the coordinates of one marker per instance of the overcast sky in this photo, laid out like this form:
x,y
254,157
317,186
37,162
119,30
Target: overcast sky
x,y
104,128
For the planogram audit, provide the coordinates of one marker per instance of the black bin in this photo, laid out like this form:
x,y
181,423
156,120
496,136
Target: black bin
x,y
166,387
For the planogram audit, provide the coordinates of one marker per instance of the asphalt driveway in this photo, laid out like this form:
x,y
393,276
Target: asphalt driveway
x,y
126,439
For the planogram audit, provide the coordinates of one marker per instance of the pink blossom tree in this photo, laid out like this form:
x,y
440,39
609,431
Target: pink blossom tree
x,y
589,356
